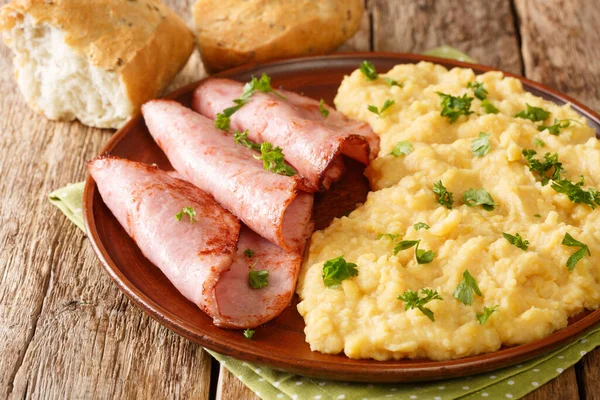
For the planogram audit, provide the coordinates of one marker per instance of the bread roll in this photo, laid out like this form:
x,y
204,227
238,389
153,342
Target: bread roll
x,y
232,32
97,61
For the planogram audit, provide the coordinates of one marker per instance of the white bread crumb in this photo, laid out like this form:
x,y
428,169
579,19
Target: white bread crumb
x,y
61,83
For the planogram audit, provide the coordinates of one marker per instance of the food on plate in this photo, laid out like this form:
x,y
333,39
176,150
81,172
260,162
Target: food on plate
x,y
200,247
480,231
249,299
172,222
95,61
314,136
269,202
232,32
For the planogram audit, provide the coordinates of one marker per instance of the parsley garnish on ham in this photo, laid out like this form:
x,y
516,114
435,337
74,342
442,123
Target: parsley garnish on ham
x,y
324,111
257,279
242,138
189,211
222,120
273,160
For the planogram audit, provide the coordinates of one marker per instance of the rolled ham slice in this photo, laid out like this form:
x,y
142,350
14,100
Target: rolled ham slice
x,y
145,200
312,143
270,204
241,306
200,257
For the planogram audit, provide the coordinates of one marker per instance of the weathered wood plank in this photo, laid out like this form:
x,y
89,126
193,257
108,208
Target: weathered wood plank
x,y
563,387
561,46
483,29
230,387
590,374
65,328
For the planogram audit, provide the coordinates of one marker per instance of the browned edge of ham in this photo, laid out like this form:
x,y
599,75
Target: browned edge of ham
x,y
312,143
271,205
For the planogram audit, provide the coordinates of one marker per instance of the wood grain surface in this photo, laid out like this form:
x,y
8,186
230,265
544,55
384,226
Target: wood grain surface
x,y
67,331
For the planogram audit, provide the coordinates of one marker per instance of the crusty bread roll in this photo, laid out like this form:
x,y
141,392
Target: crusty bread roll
x,y
94,60
233,32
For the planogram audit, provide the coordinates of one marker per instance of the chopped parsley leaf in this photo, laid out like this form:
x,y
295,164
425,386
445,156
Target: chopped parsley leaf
x,y
465,289
421,225
258,279
368,70
476,197
387,104
413,300
273,160
324,111
189,211
576,193
423,256
337,270
539,142
405,244
402,147
481,146
533,113
517,240
262,85
537,216
392,82
453,107
555,128
222,120
579,254
543,167
249,253
485,315
242,138
445,197
248,333
392,236
488,107
478,89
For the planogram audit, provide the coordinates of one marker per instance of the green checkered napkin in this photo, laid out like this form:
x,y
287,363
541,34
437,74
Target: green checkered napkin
x,y
507,383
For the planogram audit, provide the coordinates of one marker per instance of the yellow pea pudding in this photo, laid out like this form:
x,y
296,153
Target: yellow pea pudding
x,y
510,256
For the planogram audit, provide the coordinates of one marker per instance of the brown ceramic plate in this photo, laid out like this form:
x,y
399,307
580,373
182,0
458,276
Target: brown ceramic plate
x,y
280,343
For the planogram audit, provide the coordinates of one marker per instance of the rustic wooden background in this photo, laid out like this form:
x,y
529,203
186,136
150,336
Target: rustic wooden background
x,y
65,328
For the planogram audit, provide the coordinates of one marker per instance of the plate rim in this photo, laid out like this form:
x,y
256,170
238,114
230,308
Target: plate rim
x,y
409,370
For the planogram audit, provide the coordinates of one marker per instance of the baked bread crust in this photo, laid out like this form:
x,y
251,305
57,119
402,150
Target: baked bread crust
x,y
144,41
232,32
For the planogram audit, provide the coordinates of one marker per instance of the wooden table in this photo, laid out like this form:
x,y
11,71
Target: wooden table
x,y
65,328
